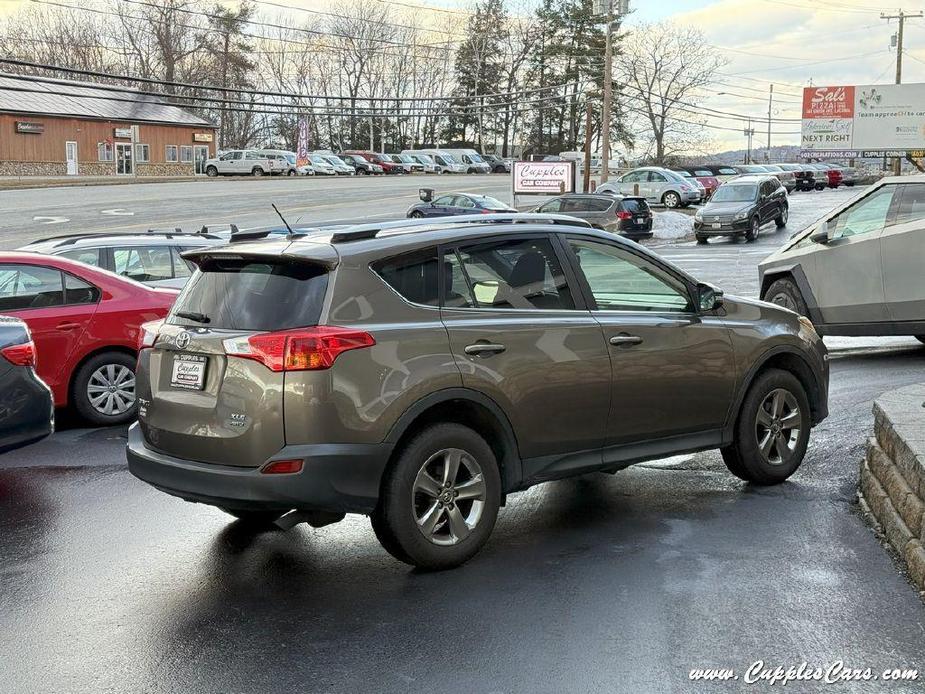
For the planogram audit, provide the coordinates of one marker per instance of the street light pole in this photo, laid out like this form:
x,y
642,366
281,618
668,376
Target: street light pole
x,y
770,107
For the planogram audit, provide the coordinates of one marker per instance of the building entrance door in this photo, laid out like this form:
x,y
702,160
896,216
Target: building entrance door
x,y
70,149
200,154
124,164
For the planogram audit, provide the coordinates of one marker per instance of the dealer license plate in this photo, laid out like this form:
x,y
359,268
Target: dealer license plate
x,y
189,371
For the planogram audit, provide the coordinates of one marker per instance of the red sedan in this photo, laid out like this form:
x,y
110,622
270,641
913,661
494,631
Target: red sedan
x,y
84,323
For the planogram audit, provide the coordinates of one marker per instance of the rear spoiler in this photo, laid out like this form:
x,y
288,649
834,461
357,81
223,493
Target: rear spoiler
x,y
282,250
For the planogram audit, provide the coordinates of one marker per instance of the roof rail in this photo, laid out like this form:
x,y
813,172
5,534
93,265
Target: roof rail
x,y
370,231
68,239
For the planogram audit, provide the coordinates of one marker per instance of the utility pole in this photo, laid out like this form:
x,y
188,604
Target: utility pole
x,y
749,132
902,17
586,187
770,107
608,93
609,15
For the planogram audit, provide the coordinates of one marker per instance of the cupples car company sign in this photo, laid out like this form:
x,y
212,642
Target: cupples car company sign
x,y
543,177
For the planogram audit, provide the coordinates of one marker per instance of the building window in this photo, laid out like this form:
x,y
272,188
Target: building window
x,y
104,151
171,154
142,153
186,154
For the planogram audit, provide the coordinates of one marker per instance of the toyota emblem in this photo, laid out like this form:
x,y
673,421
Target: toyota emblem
x,y
183,340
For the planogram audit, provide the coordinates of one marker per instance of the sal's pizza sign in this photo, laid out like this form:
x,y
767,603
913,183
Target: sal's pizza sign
x,y
828,102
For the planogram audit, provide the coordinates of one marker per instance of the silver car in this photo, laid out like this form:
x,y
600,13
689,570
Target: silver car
x,y
858,271
656,185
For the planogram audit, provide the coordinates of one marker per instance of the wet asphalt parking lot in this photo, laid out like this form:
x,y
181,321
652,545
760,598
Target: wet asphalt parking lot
x,y
617,583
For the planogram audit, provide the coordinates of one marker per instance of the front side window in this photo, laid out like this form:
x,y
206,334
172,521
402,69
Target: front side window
x,y
445,200
865,216
656,177
231,156
911,204
143,263
170,154
523,274
636,177
464,202
25,287
186,153
551,206
622,281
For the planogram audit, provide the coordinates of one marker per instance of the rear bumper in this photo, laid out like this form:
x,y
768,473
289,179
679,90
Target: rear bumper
x,y
342,478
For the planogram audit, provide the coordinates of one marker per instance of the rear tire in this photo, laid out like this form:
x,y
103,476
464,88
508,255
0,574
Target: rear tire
x,y
671,200
772,431
701,239
91,385
422,522
257,171
784,292
782,218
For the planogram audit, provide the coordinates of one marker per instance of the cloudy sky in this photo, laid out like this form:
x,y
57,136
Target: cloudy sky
x,y
790,43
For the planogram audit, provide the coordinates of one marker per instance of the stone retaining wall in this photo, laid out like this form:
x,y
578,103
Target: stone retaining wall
x,y
892,483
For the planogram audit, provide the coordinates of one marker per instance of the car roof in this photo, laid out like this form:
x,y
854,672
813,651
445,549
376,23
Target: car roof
x,y
370,242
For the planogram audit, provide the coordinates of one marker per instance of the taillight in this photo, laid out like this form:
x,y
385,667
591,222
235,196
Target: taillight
x,y
623,214
147,333
20,355
302,349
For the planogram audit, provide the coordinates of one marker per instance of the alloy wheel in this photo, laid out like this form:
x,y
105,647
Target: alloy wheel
x,y
784,299
672,200
778,426
111,389
448,496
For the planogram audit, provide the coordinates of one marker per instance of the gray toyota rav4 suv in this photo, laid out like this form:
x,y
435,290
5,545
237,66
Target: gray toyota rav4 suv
x,y
420,371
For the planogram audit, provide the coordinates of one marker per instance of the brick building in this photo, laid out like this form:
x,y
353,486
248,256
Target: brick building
x,y
59,128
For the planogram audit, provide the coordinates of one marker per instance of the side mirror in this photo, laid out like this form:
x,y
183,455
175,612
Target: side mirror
x,y
709,298
821,236
426,194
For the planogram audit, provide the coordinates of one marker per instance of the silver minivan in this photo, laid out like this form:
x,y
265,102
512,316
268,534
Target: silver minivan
x,y
656,185
858,270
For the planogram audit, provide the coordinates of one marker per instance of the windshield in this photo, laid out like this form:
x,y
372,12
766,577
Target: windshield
x,y
450,159
475,158
290,158
736,193
315,159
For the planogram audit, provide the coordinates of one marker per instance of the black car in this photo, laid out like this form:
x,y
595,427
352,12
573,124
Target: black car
x,y
497,164
26,410
627,215
741,207
804,175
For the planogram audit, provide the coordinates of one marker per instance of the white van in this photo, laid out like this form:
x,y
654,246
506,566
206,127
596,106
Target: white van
x,y
472,159
447,162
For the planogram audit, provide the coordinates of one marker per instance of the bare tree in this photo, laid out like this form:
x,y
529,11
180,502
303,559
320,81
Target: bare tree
x,y
664,68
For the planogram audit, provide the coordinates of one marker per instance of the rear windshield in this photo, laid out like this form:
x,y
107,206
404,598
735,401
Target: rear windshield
x,y
634,205
252,295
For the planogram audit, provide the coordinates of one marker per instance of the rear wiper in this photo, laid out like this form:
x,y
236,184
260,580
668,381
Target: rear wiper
x,y
193,316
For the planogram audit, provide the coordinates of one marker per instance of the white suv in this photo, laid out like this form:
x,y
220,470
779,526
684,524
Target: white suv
x,y
242,162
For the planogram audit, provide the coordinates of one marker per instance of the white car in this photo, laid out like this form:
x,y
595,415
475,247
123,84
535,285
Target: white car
x,y
447,162
341,167
425,160
320,166
242,162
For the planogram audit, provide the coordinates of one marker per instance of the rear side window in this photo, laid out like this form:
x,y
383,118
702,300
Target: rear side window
x,y
90,256
599,205
253,295
413,275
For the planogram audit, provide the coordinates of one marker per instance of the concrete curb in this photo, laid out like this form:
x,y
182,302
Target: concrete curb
x,y
892,482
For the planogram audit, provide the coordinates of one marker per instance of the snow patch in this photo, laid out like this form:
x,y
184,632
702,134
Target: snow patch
x,y
672,225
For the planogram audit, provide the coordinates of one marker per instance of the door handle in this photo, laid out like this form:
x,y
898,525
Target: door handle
x,y
624,340
487,348
67,326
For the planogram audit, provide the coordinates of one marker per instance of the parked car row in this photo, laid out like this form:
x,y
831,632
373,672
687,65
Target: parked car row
x,y
272,162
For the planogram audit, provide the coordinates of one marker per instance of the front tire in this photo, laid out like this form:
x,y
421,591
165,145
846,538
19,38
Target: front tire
x,y
772,431
439,499
103,389
416,214
211,172
784,292
753,229
701,239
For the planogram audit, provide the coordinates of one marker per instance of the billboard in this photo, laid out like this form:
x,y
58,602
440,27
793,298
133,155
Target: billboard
x,y
863,121
543,177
